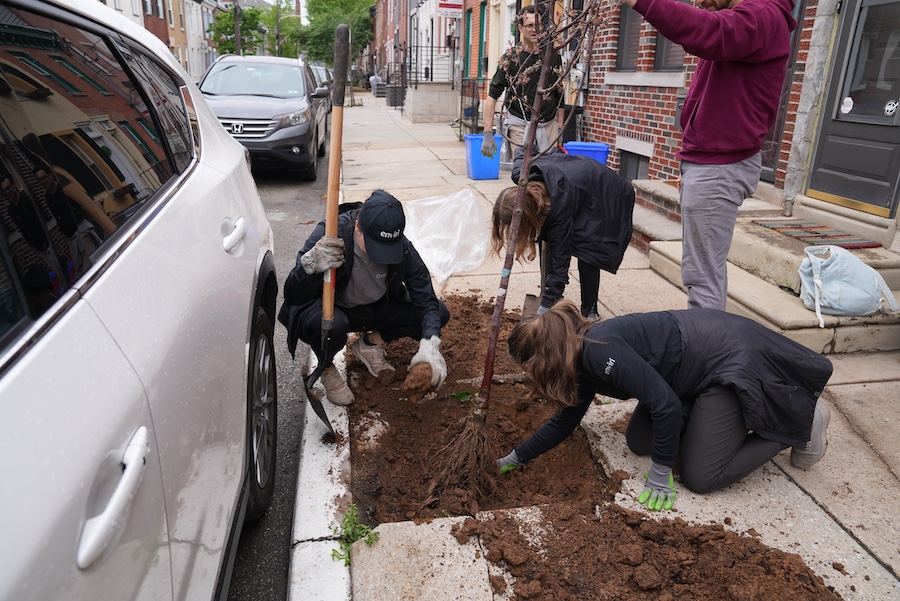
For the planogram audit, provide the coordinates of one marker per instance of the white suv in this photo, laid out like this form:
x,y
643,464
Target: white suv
x,y
137,299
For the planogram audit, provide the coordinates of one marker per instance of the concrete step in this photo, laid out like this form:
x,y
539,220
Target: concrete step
x,y
776,257
781,311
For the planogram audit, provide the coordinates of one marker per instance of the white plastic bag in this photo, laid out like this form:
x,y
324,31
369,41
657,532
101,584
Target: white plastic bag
x,y
451,232
836,282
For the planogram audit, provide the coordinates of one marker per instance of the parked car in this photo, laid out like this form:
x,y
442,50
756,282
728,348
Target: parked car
x,y
273,107
324,79
137,300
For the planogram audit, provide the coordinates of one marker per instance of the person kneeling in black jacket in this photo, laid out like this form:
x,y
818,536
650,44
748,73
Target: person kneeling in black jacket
x,y
721,391
382,290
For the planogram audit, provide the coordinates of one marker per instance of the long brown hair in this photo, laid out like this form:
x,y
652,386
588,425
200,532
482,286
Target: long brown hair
x,y
549,347
535,207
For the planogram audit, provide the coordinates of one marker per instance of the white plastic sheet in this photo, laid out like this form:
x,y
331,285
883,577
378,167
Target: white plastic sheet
x,y
451,232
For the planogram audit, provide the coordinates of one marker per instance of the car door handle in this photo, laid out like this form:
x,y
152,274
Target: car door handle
x,y
100,529
236,235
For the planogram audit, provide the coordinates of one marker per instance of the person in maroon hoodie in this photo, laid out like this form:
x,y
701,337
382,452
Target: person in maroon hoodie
x,y
730,107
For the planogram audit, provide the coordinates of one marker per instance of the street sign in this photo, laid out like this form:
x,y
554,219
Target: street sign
x,y
452,9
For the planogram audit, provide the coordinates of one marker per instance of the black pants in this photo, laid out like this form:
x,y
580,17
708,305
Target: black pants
x,y
590,287
389,317
716,448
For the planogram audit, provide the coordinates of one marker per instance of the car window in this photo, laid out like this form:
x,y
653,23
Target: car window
x,y
91,132
254,78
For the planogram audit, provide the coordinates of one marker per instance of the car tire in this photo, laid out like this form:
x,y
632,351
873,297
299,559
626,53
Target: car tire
x,y
309,174
262,425
320,151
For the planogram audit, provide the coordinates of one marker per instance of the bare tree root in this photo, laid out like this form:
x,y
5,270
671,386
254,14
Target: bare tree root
x,y
465,463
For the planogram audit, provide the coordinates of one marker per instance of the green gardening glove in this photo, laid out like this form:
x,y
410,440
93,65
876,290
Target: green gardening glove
x,y
509,463
660,491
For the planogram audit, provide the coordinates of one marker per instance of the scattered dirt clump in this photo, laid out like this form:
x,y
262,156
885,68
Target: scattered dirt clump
x,y
585,547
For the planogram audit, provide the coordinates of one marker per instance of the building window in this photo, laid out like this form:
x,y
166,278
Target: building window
x,y
669,55
41,70
148,7
629,39
633,166
79,74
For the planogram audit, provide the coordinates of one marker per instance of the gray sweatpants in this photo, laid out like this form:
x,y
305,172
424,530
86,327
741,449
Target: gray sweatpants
x,y
710,197
716,447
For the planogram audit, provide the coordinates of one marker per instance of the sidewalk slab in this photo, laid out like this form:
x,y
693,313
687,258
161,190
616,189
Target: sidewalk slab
x,y
412,562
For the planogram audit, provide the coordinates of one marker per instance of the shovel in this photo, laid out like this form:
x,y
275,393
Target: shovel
x,y
532,302
341,57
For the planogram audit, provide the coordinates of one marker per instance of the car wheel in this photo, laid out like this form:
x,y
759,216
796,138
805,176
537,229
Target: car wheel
x,y
262,403
321,150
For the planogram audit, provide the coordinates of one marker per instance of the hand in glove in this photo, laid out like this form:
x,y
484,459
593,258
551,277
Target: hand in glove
x,y
328,253
660,491
430,352
488,146
509,463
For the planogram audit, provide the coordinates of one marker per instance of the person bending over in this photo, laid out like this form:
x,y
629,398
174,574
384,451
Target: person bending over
x,y
574,207
719,390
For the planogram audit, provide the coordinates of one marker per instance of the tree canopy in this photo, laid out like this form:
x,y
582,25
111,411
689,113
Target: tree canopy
x,y
316,40
222,31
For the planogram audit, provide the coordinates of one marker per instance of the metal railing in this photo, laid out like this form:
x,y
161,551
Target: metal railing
x,y
471,94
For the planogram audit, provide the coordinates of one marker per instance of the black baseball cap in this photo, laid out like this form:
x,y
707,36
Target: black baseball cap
x,y
382,221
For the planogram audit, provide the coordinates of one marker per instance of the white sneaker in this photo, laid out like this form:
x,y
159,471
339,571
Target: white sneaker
x,y
806,456
336,390
372,356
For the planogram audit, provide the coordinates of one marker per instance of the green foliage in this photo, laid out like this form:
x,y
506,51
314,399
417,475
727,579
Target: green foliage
x,y
463,396
282,27
316,40
222,31
350,531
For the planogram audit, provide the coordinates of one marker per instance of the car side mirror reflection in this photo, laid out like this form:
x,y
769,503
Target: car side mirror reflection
x,y
321,93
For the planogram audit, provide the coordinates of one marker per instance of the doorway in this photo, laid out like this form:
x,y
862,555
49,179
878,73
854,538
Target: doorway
x,y
857,156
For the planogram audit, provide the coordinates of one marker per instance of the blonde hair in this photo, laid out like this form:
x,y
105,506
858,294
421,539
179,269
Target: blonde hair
x,y
549,347
535,207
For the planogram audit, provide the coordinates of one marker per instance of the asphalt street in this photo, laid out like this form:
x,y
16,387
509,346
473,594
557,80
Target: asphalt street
x,y
263,557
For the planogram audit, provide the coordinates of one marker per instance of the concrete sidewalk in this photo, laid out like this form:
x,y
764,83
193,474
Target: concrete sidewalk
x,y
840,516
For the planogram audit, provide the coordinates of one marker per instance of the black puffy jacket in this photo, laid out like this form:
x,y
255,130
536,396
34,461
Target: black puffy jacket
x,y
590,215
408,281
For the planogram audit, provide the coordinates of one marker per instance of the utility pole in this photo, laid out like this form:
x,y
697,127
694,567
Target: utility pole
x,y
237,28
277,27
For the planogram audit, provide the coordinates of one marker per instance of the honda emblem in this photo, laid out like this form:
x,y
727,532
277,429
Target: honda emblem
x,y
237,128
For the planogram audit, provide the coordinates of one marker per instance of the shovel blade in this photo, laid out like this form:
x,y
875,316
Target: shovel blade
x,y
530,307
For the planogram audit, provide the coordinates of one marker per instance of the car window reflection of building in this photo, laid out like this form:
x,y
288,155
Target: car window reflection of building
x,y
37,264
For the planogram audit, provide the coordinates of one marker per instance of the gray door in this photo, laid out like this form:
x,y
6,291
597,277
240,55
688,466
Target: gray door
x,y
857,159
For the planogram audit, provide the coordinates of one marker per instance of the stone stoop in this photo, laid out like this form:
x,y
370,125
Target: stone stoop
x,y
657,210
763,282
782,311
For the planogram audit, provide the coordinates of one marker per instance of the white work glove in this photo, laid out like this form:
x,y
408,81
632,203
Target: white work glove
x,y
430,352
328,253
488,146
660,490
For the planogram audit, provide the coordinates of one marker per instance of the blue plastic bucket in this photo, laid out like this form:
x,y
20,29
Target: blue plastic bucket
x,y
479,166
596,150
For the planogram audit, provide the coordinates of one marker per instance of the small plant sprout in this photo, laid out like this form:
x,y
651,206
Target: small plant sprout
x,y
463,396
350,531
